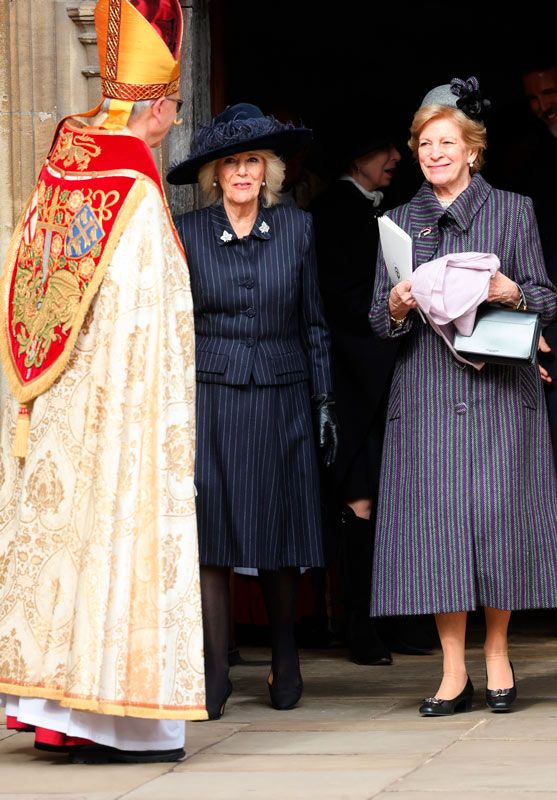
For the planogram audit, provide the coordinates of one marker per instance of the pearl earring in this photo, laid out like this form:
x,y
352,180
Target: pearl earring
x,y
471,163
215,182
263,183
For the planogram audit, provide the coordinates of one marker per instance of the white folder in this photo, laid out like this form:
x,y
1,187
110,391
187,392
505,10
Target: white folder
x,y
397,250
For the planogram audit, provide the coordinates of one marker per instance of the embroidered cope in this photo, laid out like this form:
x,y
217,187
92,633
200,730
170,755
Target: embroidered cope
x,y
99,587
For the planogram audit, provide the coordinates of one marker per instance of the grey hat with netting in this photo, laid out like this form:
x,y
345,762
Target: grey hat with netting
x,y
461,94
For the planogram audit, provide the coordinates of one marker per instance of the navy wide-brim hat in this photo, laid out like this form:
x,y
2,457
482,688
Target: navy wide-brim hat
x,y
237,129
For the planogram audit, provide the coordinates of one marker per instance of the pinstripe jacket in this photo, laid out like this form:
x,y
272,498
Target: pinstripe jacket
x,y
467,513
256,299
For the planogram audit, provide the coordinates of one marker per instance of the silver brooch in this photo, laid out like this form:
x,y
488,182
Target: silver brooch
x,y
226,237
264,228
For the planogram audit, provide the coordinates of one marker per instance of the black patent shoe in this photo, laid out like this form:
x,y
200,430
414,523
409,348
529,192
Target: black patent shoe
x,y
102,754
501,700
284,697
217,710
435,707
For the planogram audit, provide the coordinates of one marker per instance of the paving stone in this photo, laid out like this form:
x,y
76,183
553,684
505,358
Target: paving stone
x,y
209,760
87,796
460,722
299,778
245,709
24,770
517,726
480,794
355,736
488,765
201,735
384,741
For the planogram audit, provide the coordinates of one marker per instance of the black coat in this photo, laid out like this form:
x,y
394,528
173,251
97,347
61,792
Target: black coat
x,y
347,240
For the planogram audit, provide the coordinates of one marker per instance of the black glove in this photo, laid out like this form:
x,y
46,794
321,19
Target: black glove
x,y
327,426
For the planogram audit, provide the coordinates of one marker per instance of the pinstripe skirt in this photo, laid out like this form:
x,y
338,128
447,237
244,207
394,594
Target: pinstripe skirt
x,y
258,502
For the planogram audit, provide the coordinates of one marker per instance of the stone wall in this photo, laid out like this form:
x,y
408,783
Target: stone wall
x,y
49,68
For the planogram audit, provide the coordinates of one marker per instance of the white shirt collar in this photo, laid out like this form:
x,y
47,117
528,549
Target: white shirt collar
x,y
376,197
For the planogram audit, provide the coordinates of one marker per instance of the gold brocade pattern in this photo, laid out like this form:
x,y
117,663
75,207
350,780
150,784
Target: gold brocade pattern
x,y
11,659
179,456
45,491
99,588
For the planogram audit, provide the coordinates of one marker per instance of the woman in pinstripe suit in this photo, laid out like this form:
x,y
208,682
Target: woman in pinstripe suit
x,y
262,359
467,512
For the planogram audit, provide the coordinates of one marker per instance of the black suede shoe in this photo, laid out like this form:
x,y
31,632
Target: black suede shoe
x,y
435,707
501,700
283,698
102,754
365,644
216,712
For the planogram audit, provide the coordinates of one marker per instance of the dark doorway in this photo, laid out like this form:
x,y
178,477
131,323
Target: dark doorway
x,y
331,67
295,53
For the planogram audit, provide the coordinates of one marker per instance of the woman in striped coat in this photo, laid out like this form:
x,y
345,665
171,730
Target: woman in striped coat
x,y
262,358
467,512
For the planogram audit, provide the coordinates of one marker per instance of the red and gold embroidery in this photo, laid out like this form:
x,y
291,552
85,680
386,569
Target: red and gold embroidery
x,y
75,149
61,250
56,267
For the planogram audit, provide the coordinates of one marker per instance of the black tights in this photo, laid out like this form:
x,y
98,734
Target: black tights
x,y
280,592
215,601
280,589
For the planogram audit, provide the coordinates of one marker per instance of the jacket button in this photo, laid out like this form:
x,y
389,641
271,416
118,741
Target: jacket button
x,y
250,312
461,408
249,342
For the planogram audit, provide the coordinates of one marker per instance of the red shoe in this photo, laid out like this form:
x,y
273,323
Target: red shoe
x,y
13,724
57,742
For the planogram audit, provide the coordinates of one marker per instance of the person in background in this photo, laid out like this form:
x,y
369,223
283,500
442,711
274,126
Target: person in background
x,y
263,384
103,659
347,237
467,512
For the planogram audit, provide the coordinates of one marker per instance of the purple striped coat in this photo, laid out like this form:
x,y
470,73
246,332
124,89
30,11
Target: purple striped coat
x,y
467,512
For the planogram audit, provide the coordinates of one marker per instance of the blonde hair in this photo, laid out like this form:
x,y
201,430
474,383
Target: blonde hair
x,y
274,177
473,131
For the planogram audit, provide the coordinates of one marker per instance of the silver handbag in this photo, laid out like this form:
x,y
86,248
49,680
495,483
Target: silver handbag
x,y
501,336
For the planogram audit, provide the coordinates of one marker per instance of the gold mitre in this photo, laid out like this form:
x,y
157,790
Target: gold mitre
x,y
139,53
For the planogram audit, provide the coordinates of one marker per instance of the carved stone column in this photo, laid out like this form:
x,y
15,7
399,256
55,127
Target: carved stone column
x,y
28,109
47,70
6,145
195,92
81,13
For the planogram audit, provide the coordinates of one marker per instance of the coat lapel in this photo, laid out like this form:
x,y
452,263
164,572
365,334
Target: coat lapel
x,y
426,215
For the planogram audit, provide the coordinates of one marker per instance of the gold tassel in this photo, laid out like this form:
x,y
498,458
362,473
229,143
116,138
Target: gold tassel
x,y
21,438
